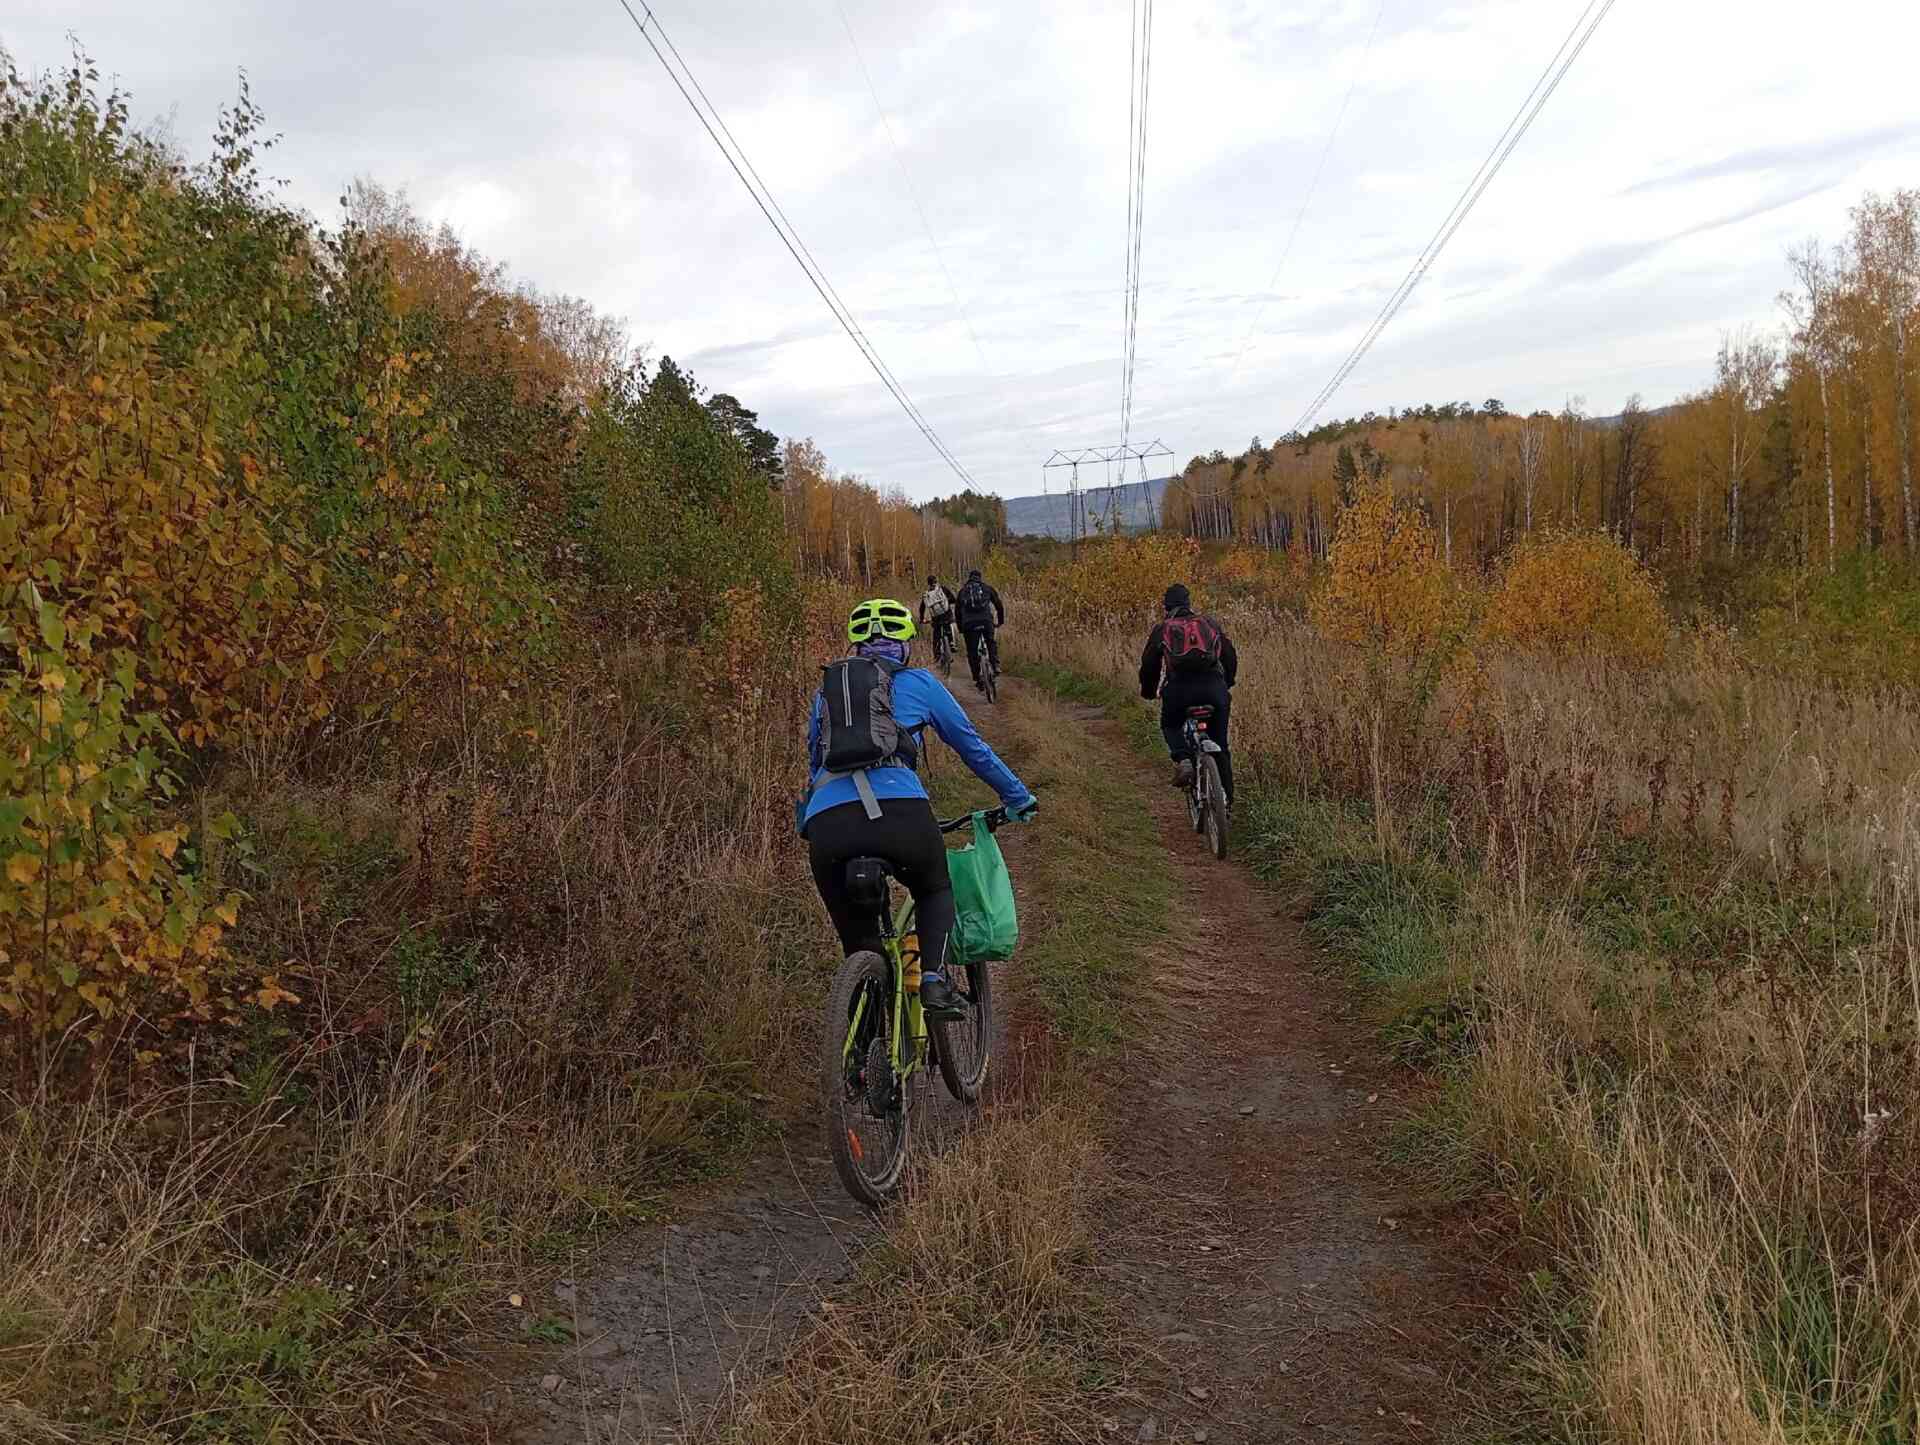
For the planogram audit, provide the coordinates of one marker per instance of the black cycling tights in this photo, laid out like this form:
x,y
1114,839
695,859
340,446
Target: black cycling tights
x,y
907,835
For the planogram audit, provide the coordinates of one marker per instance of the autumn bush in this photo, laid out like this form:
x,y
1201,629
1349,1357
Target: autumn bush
x,y
1386,588
1567,593
1108,579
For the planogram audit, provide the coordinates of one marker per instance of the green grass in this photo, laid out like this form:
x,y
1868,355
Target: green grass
x,y
1109,900
1095,867
257,1355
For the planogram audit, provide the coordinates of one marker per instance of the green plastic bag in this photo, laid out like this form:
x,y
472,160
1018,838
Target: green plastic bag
x,y
986,926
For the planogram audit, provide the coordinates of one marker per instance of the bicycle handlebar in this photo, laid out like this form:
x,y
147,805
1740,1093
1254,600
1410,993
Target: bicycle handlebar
x,y
995,818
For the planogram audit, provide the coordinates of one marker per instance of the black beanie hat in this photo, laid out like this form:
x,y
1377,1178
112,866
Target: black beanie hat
x,y
1177,596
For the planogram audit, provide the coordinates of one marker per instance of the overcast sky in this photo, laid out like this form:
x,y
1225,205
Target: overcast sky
x,y
1647,211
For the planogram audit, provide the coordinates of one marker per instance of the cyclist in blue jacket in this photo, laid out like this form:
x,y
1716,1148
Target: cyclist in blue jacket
x,y
835,821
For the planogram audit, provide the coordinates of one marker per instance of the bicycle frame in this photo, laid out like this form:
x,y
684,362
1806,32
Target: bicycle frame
x,y
908,1046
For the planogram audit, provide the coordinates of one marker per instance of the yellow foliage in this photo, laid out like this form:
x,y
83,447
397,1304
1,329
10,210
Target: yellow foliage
x,y
1115,579
119,511
1244,564
1386,586
95,915
1578,592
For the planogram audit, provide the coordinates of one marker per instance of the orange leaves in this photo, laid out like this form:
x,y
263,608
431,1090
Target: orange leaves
x,y
1578,592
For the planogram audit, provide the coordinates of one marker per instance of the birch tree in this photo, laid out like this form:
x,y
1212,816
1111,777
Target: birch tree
x,y
1815,339
1886,243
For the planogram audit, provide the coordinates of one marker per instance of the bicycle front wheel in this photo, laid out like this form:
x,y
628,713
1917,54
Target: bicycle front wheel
x,y
963,1045
1214,805
869,1124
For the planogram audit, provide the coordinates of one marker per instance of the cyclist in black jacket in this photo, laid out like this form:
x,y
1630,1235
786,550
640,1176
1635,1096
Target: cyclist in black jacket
x,y
981,611
1208,682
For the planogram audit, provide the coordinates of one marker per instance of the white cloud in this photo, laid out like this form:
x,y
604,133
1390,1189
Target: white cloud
x,y
1646,211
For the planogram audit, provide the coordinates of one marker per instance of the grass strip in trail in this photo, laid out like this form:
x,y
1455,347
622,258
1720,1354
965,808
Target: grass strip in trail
x,y
975,1319
1096,872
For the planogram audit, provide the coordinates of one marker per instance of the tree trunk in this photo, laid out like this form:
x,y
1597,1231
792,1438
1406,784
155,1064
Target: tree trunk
x,y
1901,412
1826,441
1866,473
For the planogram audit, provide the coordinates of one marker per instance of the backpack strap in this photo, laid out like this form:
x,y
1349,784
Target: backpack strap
x,y
861,785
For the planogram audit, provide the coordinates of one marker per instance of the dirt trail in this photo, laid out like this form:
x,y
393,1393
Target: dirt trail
x,y
1296,1287
668,1322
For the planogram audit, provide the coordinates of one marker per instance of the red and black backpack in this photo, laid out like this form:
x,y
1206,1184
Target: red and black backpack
x,y
1192,642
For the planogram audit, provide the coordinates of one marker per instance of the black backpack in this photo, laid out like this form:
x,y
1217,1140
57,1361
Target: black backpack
x,y
860,729
976,602
1192,642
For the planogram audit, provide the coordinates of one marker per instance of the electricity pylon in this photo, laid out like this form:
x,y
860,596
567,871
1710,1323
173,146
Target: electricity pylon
x,y
1072,461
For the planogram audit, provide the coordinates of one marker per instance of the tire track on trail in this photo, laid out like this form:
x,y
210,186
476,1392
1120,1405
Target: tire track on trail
x,y
1298,1289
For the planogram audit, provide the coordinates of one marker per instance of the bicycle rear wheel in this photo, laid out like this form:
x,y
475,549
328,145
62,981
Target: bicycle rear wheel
x,y
990,680
943,651
1214,805
869,1124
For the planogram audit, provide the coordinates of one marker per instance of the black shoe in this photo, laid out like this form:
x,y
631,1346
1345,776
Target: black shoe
x,y
1183,773
939,999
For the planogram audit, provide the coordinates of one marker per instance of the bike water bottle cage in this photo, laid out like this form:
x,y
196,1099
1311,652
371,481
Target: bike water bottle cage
x,y
867,883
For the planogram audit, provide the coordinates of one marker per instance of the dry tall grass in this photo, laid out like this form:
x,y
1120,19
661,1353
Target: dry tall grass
x,y
534,989
1686,964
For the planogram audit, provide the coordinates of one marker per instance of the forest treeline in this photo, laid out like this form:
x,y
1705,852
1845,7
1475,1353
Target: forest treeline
x,y
1797,455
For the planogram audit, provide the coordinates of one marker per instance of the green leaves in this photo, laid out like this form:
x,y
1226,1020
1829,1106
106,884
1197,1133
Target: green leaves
x,y
53,631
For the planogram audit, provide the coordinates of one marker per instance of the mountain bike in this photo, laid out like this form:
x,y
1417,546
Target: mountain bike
x,y
943,650
1206,796
989,669
878,1037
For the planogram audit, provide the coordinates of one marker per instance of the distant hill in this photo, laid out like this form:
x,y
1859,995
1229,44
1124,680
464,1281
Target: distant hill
x,y
1131,506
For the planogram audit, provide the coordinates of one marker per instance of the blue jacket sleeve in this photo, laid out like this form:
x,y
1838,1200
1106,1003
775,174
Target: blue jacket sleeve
x,y
956,730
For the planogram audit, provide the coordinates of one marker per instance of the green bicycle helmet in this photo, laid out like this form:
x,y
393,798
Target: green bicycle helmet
x,y
880,617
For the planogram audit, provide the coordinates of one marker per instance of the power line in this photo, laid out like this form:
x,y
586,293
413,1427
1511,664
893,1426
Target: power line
x,y
912,191
1313,188
1530,108
763,197
1140,64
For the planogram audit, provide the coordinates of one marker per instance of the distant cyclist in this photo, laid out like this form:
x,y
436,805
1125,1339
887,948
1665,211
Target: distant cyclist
x,y
981,611
1200,666
936,605
867,800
